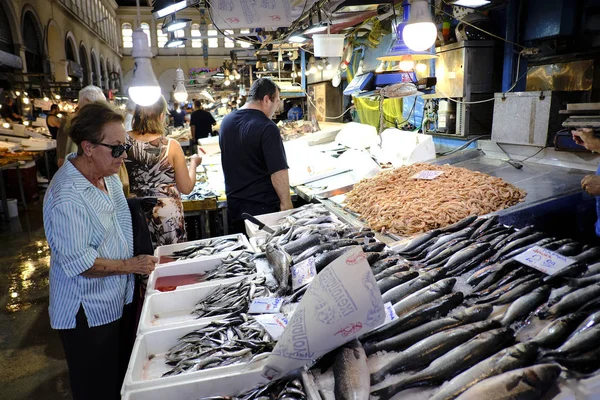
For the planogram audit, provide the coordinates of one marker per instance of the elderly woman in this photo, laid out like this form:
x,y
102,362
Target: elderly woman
x,y
88,227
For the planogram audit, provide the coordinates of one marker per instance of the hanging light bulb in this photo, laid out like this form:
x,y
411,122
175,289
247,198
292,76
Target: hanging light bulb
x,y
180,94
320,66
18,93
6,125
25,100
421,68
46,98
144,89
227,82
26,123
57,96
406,63
69,79
420,32
312,68
328,65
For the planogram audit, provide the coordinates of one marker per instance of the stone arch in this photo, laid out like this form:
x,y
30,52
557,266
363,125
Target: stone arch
x,y
33,40
11,32
94,68
56,51
70,40
85,64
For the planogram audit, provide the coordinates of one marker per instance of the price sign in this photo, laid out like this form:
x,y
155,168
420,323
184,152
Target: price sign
x,y
390,314
544,260
274,324
427,175
303,273
262,305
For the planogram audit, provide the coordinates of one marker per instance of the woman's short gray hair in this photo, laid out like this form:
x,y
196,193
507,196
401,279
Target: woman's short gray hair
x,y
90,94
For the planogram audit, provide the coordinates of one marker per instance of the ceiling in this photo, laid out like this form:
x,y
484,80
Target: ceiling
x,y
131,3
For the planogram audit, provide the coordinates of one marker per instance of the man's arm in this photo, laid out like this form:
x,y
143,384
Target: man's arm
x,y
193,128
61,142
281,183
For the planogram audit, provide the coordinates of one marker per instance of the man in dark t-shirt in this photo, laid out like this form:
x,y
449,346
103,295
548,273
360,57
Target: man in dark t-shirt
x,y
178,115
253,157
201,122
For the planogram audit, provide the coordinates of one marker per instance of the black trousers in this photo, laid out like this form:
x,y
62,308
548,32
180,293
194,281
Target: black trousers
x,y
235,208
97,357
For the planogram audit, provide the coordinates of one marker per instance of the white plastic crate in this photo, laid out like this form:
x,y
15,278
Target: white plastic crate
x,y
147,362
168,250
273,221
225,385
200,265
163,310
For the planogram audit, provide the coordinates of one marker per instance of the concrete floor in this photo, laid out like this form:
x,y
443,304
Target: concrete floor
x,y
32,363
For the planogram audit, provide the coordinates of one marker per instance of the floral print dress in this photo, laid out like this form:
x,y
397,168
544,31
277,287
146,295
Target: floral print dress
x,y
151,175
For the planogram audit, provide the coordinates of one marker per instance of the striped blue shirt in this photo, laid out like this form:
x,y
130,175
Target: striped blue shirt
x,y
83,223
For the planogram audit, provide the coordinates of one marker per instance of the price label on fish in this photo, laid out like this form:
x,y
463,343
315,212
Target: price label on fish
x,y
427,175
303,273
262,305
544,260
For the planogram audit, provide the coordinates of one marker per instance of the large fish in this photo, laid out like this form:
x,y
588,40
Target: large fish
x,y
444,239
517,292
585,363
396,279
391,271
526,231
507,282
464,255
573,301
521,384
414,243
483,228
525,304
416,317
501,276
448,252
424,296
517,356
518,244
591,320
555,333
351,372
407,339
593,269
452,363
280,262
399,292
300,245
428,349
582,342
463,223
496,269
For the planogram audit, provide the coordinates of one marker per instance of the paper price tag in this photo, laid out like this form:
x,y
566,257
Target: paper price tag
x,y
544,260
303,273
390,314
274,324
262,305
427,175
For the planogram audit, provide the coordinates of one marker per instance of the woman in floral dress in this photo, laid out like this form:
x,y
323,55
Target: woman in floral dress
x,y
157,169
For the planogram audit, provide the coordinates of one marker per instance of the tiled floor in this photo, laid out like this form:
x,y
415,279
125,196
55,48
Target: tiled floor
x,y
32,364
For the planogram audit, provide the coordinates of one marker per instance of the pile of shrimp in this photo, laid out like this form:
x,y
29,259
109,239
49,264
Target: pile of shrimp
x,y
394,201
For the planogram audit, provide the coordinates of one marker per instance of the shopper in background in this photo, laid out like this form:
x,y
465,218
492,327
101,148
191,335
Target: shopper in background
x,y
64,144
295,113
88,227
177,115
157,168
201,122
253,157
591,183
9,111
53,121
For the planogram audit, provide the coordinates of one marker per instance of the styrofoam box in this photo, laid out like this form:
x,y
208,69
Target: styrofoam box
x,y
164,310
198,265
225,385
147,362
169,249
272,220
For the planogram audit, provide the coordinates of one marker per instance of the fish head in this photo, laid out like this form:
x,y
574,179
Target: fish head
x,y
476,313
541,375
527,352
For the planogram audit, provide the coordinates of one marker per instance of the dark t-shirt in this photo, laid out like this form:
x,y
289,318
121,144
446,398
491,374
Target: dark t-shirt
x,y
7,112
203,121
178,117
251,151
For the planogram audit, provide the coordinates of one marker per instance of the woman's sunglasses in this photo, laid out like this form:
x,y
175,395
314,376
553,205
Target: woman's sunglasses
x,y
117,150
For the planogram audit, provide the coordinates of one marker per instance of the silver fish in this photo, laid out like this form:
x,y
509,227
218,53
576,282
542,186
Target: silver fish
x,y
351,372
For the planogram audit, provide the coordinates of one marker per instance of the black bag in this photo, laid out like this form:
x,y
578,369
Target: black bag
x,y
142,241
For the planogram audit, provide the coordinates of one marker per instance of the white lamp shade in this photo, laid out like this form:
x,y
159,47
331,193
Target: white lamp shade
x,y
420,32
180,93
144,89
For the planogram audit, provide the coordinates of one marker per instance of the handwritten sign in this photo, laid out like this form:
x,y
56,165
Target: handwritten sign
x,y
303,273
427,175
390,314
262,305
274,324
544,260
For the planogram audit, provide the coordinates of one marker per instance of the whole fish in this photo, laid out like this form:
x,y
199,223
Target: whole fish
x,y
582,342
423,296
391,271
448,252
582,282
486,297
488,224
517,356
373,257
444,239
593,269
587,256
323,260
432,253
585,363
387,262
569,249
280,262
555,333
524,305
408,338
476,262
591,320
463,223
544,242
526,231
518,244
494,239
428,349
453,362
424,279
351,372
396,279
522,384
572,301
518,273
497,275
417,317
466,254
300,245
517,292
491,269
313,251
374,247
413,243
